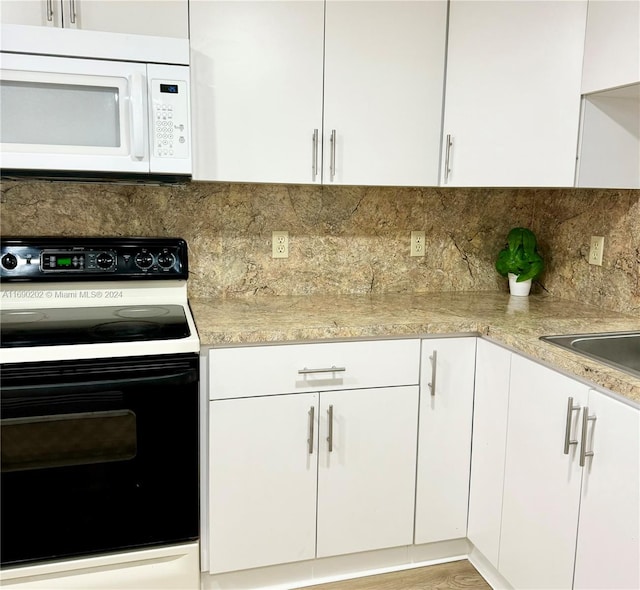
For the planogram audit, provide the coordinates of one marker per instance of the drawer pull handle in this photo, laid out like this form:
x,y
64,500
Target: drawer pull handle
x,y
583,443
330,437
312,414
567,429
306,371
434,363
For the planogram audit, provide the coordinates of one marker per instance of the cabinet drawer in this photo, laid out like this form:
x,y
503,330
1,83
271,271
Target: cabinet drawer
x,y
290,368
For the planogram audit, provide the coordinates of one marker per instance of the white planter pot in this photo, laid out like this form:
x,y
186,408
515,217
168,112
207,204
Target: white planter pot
x,y
519,289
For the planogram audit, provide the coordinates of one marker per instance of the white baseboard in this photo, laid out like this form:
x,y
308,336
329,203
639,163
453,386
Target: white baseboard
x,y
332,569
487,570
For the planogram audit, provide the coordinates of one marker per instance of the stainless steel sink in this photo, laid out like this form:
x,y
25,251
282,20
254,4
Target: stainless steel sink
x,y
620,350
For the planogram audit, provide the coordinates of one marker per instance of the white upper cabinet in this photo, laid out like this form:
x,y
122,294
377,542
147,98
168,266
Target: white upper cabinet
x,y
264,71
384,70
257,90
513,92
612,45
610,137
166,18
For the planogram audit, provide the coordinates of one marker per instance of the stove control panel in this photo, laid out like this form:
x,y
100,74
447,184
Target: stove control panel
x,y
62,259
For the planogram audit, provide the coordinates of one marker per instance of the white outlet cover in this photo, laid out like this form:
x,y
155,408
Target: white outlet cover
x,y
596,250
417,243
280,244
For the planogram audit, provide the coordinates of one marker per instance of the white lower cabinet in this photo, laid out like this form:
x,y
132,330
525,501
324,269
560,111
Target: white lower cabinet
x,y
328,449
490,407
542,483
305,474
608,552
444,442
263,478
570,512
366,481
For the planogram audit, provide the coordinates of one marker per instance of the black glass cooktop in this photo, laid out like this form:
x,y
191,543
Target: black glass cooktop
x,y
92,325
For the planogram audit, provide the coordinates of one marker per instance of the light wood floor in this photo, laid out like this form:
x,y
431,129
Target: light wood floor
x,y
457,575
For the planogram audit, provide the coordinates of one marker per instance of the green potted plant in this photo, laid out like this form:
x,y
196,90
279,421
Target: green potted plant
x,y
520,260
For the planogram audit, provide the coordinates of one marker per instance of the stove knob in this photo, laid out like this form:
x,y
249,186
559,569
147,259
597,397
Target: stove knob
x,y
9,261
105,260
166,259
144,260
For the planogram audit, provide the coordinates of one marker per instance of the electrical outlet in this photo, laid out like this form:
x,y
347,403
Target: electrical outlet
x,y
417,243
280,244
596,250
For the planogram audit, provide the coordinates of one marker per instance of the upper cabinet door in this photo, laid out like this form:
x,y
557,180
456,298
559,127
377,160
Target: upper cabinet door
x,y
39,13
257,90
384,70
162,18
513,92
612,45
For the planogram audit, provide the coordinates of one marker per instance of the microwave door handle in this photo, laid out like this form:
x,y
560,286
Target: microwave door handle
x,y
136,111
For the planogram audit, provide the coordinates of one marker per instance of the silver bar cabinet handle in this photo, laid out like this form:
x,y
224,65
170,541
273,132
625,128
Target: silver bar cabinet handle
x,y
332,164
567,429
583,443
434,363
49,10
306,371
447,158
330,437
72,6
314,154
312,420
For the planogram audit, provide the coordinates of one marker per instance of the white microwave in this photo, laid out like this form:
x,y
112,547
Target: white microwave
x,y
74,117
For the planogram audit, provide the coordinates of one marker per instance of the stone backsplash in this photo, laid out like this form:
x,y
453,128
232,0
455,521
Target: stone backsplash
x,y
352,239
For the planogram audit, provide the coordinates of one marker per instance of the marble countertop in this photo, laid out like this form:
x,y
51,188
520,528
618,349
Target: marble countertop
x,y
515,322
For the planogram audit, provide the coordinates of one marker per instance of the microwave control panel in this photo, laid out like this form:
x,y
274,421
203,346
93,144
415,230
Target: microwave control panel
x,y
170,119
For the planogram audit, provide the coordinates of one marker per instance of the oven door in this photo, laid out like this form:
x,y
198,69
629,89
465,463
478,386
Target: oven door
x,y
98,456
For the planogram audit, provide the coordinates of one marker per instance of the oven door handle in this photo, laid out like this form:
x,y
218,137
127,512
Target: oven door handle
x,y
183,377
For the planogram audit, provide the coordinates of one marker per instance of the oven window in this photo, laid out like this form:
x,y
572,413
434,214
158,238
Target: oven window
x,y
67,439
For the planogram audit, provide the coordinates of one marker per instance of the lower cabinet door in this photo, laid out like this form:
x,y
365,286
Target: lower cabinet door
x,y
367,466
541,482
263,462
444,446
493,366
608,554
